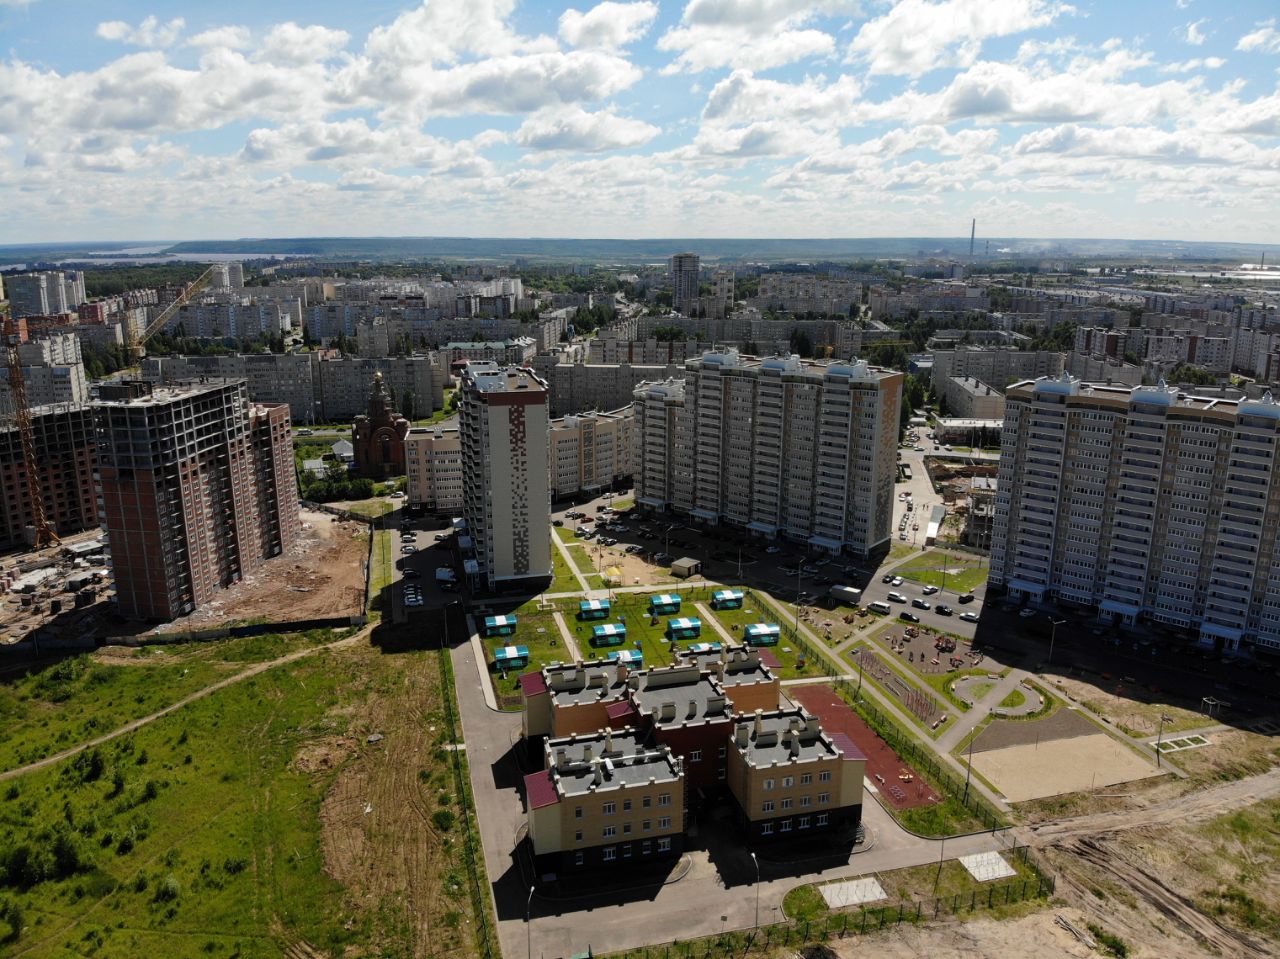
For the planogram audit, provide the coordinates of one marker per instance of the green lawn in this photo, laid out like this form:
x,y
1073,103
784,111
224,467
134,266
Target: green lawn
x,y
382,563
563,580
200,834
539,632
373,508
789,652
928,568
582,560
1015,699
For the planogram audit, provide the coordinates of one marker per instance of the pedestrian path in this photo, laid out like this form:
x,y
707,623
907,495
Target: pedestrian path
x,y
573,568
715,623
570,644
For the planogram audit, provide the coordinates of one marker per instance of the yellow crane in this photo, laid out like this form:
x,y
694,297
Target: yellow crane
x,y
44,534
139,340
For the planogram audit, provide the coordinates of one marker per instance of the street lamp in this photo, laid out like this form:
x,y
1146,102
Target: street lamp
x,y
1053,635
968,773
757,862
527,924
1160,736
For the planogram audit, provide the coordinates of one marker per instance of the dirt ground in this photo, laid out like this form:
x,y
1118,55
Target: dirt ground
x,y
1141,718
322,577
983,938
635,571
1056,766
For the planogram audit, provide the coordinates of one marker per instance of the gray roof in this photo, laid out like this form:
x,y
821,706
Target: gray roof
x,y
785,736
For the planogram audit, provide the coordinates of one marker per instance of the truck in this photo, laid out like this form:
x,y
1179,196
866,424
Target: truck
x,y
845,595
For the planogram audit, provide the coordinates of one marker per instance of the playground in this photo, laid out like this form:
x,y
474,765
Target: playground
x,y
896,782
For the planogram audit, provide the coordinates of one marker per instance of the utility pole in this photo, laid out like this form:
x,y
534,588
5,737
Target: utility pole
x,y
1160,736
1053,635
757,862
528,906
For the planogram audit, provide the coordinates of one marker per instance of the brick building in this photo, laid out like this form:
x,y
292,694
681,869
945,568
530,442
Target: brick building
x,y
65,448
378,435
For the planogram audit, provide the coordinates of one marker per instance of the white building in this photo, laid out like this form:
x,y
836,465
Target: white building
x,y
52,373
503,422
780,447
1145,503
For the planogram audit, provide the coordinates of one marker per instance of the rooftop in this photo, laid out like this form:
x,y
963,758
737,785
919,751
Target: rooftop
x,y
572,684
139,393
487,377
675,695
782,736
607,760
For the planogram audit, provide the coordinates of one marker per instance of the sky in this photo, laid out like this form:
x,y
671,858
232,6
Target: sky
x,y
1142,119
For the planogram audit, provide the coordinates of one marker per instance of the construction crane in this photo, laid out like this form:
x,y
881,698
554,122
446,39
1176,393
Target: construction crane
x,y
44,534
138,341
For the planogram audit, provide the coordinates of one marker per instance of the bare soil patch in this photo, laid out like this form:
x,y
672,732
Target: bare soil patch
x,y
1064,724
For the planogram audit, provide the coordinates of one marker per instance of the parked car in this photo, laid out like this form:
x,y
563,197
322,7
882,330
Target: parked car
x,y
897,581
909,617
969,617
441,537
557,522
1026,613
787,570
773,550
967,598
408,548
887,578
897,598
942,609
920,603
412,574
929,590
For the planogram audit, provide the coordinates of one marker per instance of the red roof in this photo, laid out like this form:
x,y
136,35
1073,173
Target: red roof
x,y
620,709
768,659
540,790
531,684
847,747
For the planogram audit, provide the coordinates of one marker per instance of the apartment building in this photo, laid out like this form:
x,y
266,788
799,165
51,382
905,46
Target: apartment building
x,y
52,372
788,777
503,423
66,451
197,490
513,352
1101,368
575,387
42,294
1146,503
240,317
969,398
433,461
995,367
684,270
780,447
590,451
809,292
605,799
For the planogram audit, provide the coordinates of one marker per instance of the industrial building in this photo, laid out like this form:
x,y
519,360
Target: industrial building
x,y
197,490
506,497
1142,503
779,447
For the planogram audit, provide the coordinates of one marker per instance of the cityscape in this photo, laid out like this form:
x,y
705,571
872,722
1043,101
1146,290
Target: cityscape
x,y
592,572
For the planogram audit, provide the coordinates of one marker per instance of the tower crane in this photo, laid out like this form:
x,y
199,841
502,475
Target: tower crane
x,y
44,534
139,340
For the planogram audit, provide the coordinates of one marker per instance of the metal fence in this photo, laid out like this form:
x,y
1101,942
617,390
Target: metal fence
x,y
923,759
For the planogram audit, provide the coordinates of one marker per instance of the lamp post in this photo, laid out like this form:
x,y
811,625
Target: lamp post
x,y
968,773
528,905
1160,736
757,862
1053,635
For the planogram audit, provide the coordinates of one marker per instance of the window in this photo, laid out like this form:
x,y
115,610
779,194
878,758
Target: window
x,y
577,836
664,845
609,853
626,805
664,799
824,798
766,829
695,755
609,832
824,776
577,812
803,823
788,782
610,808
785,826
626,850
722,773
806,779
767,806
786,803
646,825
577,858
626,829
768,785
805,800
646,847
822,819
646,802
664,822
724,751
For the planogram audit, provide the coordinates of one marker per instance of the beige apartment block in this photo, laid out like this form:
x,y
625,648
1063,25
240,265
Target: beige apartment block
x,y
433,462
590,452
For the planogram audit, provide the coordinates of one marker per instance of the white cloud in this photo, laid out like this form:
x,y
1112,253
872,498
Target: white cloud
x,y
1264,39
1191,66
1194,35
234,38
350,144
149,33
291,44
574,129
759,34
917,36
609,25
743,97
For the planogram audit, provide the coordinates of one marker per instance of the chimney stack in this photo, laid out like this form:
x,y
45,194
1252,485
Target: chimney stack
x,y
759,722
742,734
608,739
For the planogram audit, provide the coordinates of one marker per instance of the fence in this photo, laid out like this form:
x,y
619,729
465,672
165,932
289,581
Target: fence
x,y
486,936
793,635
923,705
923,759
839,925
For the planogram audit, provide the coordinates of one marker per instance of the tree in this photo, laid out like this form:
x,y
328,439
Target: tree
x,y
801,343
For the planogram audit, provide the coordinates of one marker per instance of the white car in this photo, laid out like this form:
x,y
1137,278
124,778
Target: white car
x,y
896,581
1026,613
897,598
969,617
929,590
773,550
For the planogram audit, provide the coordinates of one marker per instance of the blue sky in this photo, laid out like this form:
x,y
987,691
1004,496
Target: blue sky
x,y
1141,119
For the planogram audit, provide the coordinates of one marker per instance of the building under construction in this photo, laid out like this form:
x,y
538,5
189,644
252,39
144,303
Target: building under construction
x,y
198,489
66,453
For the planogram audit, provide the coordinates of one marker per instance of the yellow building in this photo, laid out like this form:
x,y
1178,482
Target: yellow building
x,y
604,799
789,778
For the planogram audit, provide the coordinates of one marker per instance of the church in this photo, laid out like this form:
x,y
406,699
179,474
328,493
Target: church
x,y
378,436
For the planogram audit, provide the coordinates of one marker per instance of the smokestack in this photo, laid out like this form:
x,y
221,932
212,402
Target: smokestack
x,y
973,231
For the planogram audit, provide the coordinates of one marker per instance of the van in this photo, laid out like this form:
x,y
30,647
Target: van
x,y
879,607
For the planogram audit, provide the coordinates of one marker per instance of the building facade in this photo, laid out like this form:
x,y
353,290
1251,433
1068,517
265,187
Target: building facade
x,y
197,490
52,372
433,464
67,454
378,435
780,447
1144,503
503,421
590,452
685,272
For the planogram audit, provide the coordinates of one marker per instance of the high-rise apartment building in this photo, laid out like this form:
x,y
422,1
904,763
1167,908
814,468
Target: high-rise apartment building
x,y
197,489
684,269
52,371
503,424
780,447
39,294
590,451
65,451
433,461
1145,503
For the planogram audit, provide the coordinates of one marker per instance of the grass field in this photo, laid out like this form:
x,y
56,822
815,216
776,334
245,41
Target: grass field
x,y
373,508
788,652
382,563
563,580
928,568
539,632
201,834
1015,699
